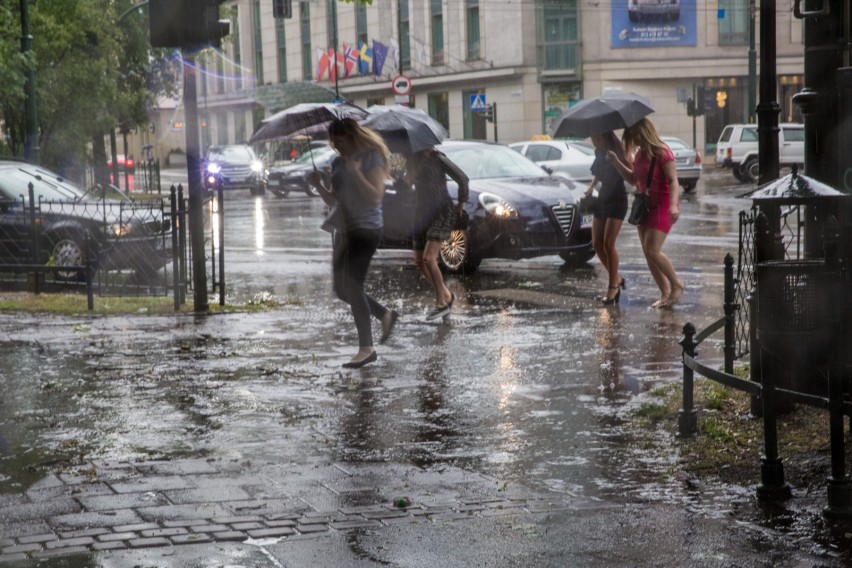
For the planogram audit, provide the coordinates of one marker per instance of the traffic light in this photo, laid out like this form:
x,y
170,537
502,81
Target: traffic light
x,y
488,113
690,107
700,101
282,8
186,23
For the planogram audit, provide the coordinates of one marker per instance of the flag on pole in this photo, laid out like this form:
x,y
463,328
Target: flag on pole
x,y
322,64
380,53
366,58
392,61
350,59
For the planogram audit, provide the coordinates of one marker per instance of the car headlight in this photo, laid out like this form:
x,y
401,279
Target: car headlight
x,y
257,166
120,229
214,168
497,206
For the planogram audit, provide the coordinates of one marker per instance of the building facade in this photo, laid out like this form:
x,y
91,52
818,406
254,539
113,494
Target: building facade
x,y
529,60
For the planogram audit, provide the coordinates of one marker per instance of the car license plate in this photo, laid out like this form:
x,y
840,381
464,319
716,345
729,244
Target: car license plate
x,y
587,219
274,182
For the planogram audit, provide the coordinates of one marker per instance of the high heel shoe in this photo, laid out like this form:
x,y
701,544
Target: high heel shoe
x,y
623,283
607,301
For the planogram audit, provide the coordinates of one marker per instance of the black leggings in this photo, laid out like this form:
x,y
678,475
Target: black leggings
x,y
353,251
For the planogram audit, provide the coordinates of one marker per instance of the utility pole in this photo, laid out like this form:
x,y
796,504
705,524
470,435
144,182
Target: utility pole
x,y
31,149
768,108
333,7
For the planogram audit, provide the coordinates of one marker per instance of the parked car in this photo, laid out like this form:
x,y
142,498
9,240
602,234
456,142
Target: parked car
x,y
69,226
294,176
234,166
737,149
560,157
516,211
124,163
687,162
639,10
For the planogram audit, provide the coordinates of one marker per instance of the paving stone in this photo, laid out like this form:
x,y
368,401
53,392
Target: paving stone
x,y
12,529
402,520
155,483
451,516
361,510
281,524
470,508
191,538
502,512
4,558
506,504
59,552
116,501
229,535
354,525
37,538
22,548
247,526
148,542
284,516
164,532
267,507
9,499
266,533
210,495
112,537
209,528
234,519
198,512
40,510
113,545
6,542
182,523
82,541
309,529
85,532
177,467
384,514
48,493
136,527
95,519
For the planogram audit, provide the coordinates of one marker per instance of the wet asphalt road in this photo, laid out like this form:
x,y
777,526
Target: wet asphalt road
x,y
506,425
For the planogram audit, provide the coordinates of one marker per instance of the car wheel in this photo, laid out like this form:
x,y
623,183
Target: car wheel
x,y
576,258
283,192
751,170
258,189
737,173
311,191
456,254
688,186
67,250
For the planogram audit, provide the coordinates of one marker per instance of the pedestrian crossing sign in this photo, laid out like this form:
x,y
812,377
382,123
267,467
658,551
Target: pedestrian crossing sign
x,y
477,102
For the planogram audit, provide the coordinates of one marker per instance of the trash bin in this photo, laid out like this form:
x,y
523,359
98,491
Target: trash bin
x,y
800,278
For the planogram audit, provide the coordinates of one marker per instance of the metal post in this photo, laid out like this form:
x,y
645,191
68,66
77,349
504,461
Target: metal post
x,y
333,7
768,108
687,420
182,242
126,157
752,64
221,197
839,486
196,187
730,315
772,485
494,117
176,252
35,229
31,150
694,117
113,148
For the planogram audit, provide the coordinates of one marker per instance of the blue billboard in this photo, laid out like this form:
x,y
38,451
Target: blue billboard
x,y
653,23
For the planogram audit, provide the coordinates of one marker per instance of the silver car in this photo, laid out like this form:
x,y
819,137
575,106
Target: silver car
x,y
563,158
687,162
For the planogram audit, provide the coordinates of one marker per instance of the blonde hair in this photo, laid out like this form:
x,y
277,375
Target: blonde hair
x,y
642,135
362,137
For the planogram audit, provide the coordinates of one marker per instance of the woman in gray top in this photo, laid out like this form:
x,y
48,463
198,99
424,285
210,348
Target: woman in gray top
x,y
357,188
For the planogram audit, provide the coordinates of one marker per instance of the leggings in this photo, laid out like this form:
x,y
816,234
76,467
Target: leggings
x,y
353,251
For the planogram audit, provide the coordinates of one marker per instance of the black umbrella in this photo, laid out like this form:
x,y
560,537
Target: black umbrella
x,y
601,114
305,118
406,130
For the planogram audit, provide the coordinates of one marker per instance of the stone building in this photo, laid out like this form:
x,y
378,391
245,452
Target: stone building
x,y
530,59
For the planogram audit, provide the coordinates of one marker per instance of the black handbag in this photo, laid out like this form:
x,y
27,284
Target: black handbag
x,y
639,209
461,219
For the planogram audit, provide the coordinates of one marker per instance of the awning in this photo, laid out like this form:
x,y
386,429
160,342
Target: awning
x,y
284,95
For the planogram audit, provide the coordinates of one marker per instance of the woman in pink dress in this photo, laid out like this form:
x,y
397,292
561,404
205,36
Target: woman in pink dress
x,y
642,142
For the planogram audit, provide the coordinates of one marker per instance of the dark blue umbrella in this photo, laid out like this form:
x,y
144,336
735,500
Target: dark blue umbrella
x,y
601,114
405,130
305,118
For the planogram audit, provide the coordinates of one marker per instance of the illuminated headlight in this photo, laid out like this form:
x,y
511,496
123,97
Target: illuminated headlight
x,y
497,206
257,166
214,168
211,180
120,229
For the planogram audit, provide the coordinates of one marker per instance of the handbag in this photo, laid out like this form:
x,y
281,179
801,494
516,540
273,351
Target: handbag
x,y
461,219
639,209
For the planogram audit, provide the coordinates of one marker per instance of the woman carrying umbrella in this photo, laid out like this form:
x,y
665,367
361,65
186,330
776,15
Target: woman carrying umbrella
x,y
609,211
663,201
357,188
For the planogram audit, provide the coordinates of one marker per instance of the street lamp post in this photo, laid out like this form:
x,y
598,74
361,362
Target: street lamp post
x,y
31,149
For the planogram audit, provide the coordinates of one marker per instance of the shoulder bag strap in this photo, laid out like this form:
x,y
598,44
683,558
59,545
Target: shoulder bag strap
x,y
650,175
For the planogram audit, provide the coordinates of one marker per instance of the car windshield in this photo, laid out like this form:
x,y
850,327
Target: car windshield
x,y
676,144
230,154
484,161
316,154
47,186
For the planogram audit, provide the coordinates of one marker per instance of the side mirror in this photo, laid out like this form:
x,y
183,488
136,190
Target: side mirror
x,y
548,169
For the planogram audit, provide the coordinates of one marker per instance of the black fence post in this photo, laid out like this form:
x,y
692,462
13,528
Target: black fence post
x,y
687,421
35,232
730,315
772,485
182,242
220,194
89,246
176,252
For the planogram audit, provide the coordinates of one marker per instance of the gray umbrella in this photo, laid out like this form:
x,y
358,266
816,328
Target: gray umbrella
x,y
406,130
305,118
601,114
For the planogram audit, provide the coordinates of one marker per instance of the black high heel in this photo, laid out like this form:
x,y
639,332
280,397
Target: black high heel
x,y
614,300
623,283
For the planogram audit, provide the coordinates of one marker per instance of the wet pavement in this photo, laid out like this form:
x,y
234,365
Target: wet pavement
x,y
500,436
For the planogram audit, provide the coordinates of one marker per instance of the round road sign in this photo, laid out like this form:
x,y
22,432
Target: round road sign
x,y
401,85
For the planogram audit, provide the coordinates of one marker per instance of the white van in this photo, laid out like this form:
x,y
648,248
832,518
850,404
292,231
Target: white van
x,y
737,148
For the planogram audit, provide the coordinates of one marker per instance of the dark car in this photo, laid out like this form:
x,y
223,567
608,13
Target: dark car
x,y
123,163
516,211
68,226
294,176
234,166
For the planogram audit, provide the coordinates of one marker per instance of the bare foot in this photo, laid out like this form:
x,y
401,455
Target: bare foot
x,y
660,303
676,295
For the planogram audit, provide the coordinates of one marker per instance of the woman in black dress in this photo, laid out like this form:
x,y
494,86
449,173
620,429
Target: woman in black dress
x,y
610,210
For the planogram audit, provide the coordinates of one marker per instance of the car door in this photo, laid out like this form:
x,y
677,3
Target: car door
x,y
791,142
398,214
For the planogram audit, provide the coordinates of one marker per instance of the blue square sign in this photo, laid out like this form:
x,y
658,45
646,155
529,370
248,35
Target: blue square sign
x,y
477,102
